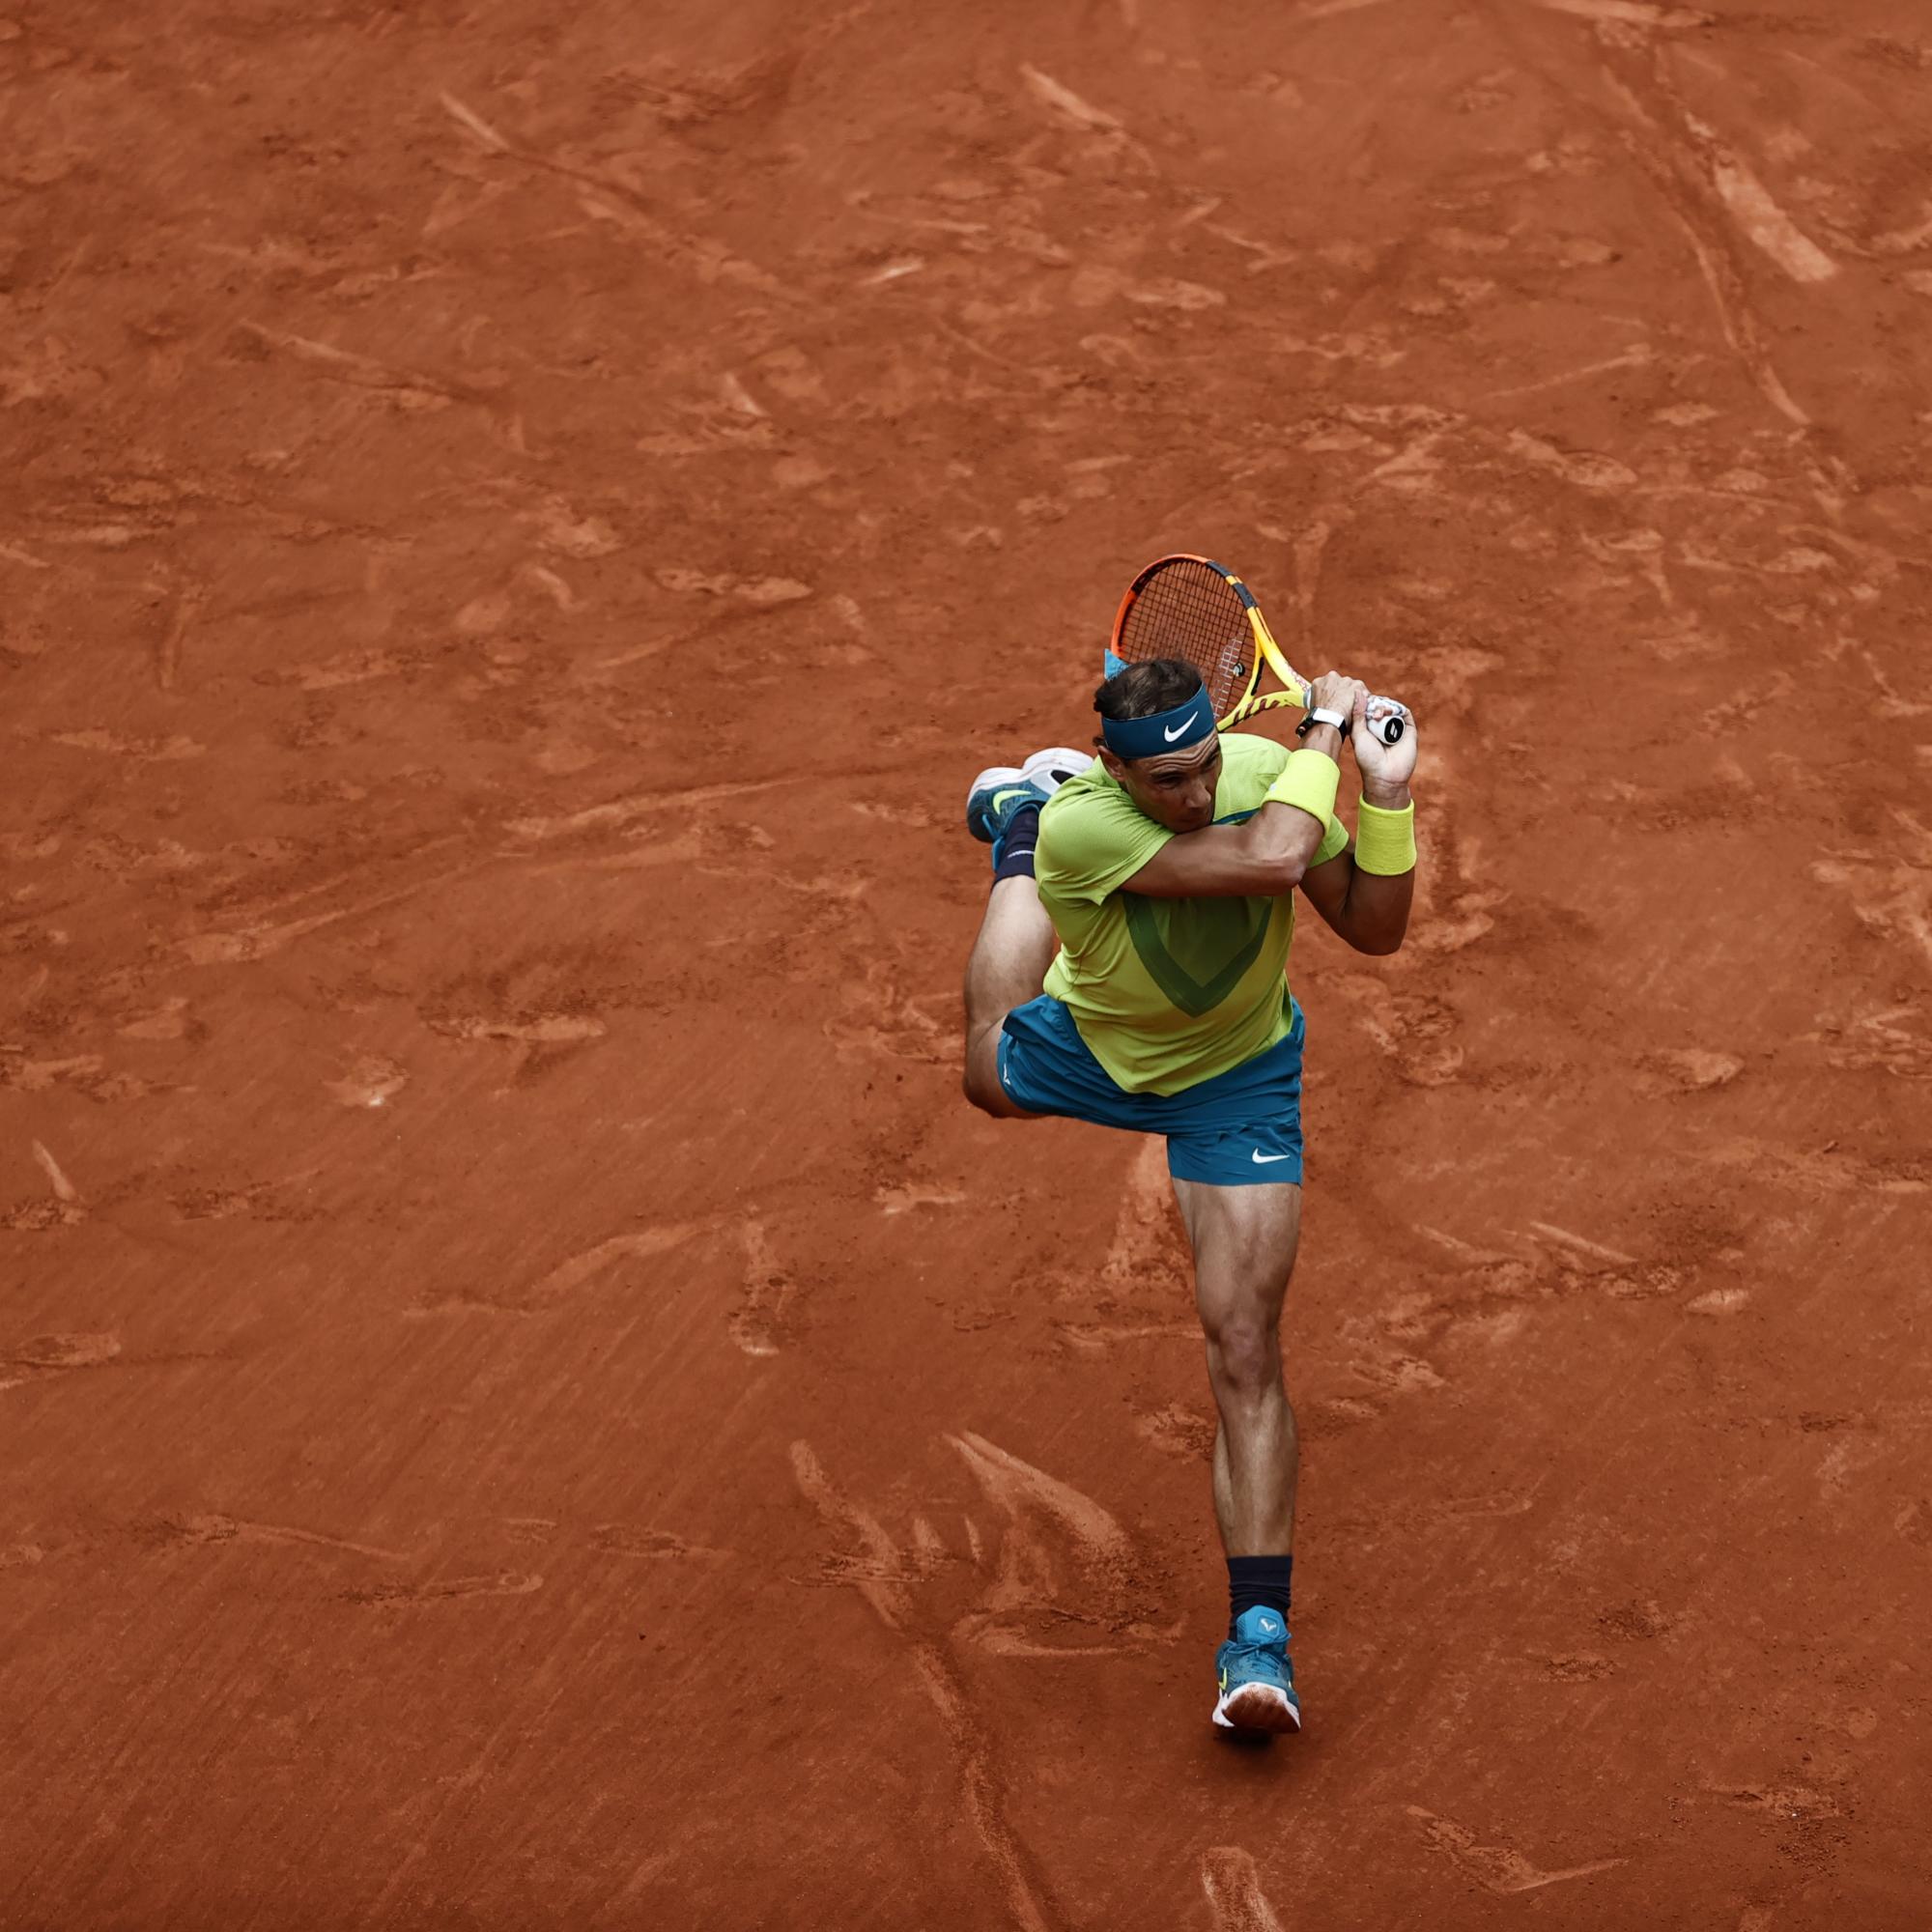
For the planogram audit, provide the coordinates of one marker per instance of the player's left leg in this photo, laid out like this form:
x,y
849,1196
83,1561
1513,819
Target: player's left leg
x,y
1244,1241
1006,968
1017,941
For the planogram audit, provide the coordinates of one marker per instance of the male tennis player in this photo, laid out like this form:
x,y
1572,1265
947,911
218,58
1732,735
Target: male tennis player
x,y
1130,971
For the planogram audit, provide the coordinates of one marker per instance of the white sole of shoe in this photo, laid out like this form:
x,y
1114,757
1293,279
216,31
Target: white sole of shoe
x,y
1256,1707
1055,759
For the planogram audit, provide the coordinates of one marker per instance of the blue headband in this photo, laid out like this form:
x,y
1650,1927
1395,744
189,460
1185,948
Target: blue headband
x,y
1175,730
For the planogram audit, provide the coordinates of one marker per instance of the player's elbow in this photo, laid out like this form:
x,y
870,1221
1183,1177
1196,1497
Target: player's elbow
x,y
1273,852
1377,945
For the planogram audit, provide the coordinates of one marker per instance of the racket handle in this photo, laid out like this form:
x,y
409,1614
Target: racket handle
x,y
1389,728
1393,723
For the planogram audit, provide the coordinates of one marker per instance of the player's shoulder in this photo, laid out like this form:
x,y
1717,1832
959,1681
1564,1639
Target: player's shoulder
x,y
1084,798
1249,765
1247,756
1086,814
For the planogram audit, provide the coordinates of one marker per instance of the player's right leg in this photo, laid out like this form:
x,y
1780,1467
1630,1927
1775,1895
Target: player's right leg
x,y
1233,1151
1017,941
1244,1240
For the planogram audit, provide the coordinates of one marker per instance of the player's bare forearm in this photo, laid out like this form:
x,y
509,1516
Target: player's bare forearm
x,y
1368,911
1375,914
1266,856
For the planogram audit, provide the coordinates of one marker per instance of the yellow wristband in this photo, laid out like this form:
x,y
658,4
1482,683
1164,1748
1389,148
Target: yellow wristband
x,y
1384,840
1308,782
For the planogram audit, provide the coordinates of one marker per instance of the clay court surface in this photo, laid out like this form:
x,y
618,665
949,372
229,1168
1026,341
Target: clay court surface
x,y
525,1397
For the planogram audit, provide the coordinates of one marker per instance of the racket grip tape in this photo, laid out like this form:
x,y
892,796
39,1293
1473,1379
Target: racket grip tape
x,y
1388,729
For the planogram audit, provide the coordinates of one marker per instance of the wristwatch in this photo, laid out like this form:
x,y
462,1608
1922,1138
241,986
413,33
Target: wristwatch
x,y
1314,717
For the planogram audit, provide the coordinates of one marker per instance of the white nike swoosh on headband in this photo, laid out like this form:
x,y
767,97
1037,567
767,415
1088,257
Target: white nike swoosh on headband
x,y
1191,719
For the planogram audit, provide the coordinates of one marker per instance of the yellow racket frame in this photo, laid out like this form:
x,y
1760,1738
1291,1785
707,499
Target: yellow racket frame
x,y
1388,718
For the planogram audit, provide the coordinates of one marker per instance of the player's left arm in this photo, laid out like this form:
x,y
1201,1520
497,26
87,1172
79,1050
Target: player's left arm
x,y
1369,908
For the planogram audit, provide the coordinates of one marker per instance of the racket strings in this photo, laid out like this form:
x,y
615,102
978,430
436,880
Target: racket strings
x,y
1188,611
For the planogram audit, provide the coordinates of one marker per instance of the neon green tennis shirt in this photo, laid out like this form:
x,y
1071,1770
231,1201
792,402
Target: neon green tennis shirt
x,y
1165,992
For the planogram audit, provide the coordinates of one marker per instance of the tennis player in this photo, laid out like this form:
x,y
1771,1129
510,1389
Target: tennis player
x,y
1130,971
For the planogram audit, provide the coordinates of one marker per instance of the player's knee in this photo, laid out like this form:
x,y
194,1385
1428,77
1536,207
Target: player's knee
x,y
981,1081
1244,1356
984,1092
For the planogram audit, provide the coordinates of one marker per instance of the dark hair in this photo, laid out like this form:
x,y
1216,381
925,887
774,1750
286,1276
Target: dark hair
x,y
1144,689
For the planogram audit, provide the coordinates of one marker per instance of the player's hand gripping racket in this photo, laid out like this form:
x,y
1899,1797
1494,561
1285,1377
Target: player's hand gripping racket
x,y
1193,608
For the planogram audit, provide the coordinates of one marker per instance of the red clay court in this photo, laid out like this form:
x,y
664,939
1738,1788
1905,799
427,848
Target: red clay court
x,y
526,1399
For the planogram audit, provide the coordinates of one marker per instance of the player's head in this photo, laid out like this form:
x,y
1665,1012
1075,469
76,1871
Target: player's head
x,y
1157,738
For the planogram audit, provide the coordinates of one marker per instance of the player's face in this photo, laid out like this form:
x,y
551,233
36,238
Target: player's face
x,y
1177,791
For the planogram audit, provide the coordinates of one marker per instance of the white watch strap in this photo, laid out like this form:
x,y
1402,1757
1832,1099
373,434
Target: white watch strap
x,y
1335,718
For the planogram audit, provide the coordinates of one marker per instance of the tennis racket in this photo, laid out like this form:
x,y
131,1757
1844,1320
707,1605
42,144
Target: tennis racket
x,y
1193,608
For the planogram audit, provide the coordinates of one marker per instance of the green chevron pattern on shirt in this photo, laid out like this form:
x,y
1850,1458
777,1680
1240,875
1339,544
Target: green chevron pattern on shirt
x,y
1166,992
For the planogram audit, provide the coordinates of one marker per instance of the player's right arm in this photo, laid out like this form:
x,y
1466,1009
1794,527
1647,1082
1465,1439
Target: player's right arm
x,y
1268,854
1264,858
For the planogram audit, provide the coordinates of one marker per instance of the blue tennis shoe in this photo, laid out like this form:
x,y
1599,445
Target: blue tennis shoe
x,y
1256,1678
1002,790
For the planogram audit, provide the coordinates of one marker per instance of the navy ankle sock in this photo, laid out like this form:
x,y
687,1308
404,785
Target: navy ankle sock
x,y
1258,1581
1012,854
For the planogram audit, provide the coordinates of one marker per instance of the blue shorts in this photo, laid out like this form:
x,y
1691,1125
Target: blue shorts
x,y
1238,1129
